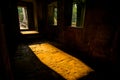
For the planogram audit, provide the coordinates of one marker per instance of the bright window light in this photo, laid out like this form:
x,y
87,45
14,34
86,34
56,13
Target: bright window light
x,y
23,18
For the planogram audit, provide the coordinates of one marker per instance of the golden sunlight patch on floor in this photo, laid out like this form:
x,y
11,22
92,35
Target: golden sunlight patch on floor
x,y
29,32
66,65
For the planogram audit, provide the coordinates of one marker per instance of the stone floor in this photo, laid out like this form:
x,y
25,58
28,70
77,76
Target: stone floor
x,y
63,63
28,66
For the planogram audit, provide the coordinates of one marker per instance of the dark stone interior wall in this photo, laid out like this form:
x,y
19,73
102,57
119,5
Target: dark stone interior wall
x,y
11,24
97,37
41,15
9,37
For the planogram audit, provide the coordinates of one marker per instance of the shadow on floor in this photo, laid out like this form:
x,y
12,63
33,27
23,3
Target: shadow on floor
x,y
28,67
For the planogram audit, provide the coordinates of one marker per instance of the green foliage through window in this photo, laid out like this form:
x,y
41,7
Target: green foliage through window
x,y
74,15
78,13
20,13
23,21
55,16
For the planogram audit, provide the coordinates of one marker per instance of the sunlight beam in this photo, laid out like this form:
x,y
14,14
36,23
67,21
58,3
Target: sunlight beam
x,y
66,65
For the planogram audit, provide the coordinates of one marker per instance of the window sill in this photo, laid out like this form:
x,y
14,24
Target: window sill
x,y
76,26
29,32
